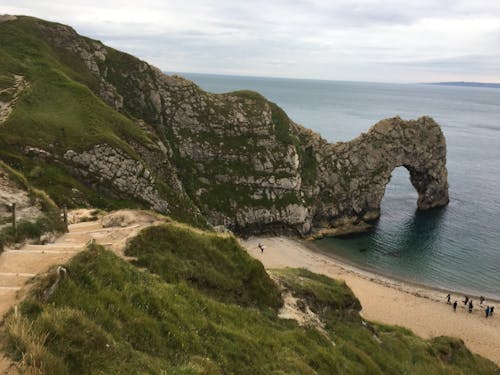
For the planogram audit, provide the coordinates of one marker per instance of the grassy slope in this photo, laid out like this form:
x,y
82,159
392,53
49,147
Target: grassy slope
x,y
220,269
56,109
109,317
59,111
55,113
48,222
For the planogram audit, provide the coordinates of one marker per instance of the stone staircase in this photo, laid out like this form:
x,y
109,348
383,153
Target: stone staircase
x,y
17,266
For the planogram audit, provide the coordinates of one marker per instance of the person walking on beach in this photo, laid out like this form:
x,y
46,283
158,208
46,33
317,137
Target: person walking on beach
x,y
487,311
481,300
466,300
491,310
261,247
455,306
448,297
470,306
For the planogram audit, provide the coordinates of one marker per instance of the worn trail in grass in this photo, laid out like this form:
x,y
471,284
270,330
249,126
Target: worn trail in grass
x,y
17,266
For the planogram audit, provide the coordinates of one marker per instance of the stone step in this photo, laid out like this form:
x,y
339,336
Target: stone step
x,y
79,231
14,288
84,227
32,262
12,278
44,250
53,246
17,274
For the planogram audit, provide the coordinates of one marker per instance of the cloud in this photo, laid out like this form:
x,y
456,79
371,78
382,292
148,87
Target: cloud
x,y
388,40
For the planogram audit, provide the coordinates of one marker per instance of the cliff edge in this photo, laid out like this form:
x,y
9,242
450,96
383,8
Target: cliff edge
x,y
232,159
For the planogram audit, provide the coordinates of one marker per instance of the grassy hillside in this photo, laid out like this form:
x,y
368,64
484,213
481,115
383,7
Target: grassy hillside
x,y
213,264
54,113
203,306
58,111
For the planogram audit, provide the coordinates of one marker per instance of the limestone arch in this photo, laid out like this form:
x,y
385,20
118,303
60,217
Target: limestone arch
x,y
361,169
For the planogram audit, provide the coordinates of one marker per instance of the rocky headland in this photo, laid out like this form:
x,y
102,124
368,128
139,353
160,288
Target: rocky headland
x,y
234,159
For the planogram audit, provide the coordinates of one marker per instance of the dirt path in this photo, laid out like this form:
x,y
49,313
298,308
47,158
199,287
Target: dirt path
x,y
7,106
19,266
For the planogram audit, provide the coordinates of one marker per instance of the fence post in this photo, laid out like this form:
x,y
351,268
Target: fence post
x,y
65,215
14,223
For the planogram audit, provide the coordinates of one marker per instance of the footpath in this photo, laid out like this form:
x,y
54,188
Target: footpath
x,y
19,266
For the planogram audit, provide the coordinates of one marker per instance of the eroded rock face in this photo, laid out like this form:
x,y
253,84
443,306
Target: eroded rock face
x,y
249,168
245,164
11,192
9,96
354,174
109,166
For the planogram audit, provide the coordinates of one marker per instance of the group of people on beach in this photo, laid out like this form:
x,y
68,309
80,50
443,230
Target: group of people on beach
x,y
488,310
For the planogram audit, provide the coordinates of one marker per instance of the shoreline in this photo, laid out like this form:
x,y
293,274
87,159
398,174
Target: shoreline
x,y
395,279
388,300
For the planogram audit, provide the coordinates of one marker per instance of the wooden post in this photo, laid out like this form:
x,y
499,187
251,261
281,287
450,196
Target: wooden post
x,y
65,215
14,224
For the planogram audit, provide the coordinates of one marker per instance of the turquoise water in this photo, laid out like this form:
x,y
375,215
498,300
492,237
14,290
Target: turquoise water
x,y
455,248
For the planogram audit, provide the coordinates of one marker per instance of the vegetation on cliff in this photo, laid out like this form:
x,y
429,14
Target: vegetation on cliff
x,y
112,131
211,263
47,216
56,111
199,304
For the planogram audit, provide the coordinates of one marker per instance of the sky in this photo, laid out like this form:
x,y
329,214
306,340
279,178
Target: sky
x,y
356,40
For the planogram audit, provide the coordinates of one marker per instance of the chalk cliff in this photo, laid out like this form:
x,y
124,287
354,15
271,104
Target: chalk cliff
x,y
236,157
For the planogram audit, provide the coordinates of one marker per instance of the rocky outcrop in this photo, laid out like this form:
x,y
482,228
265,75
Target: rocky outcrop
x,y
353,175
13,192
91,53
7,17
9,94
248,167
238,157
107,166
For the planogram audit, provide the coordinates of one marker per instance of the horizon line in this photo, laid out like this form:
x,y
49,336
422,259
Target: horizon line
x,y
334,80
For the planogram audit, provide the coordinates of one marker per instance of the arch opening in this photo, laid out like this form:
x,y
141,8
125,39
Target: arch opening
x,y
400,193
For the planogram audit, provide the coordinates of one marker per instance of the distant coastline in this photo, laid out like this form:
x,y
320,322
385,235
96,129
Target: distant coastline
x,y
466,84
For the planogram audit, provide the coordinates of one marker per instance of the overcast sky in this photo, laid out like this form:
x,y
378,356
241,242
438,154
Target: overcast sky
x,y
361,40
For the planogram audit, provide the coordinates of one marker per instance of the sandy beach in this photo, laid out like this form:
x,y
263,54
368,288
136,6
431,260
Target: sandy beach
x,y
421,309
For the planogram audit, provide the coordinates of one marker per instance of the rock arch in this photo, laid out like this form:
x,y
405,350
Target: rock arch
x,y
356,173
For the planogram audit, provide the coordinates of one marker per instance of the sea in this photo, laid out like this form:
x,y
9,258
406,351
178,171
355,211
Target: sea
x,y
455,248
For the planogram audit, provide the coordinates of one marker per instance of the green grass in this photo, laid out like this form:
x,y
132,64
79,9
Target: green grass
x,y
281,124
309,166
50,221
6,97
249,94
6,81
58,111
198,313
326,297
67,115
27,230
215,265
